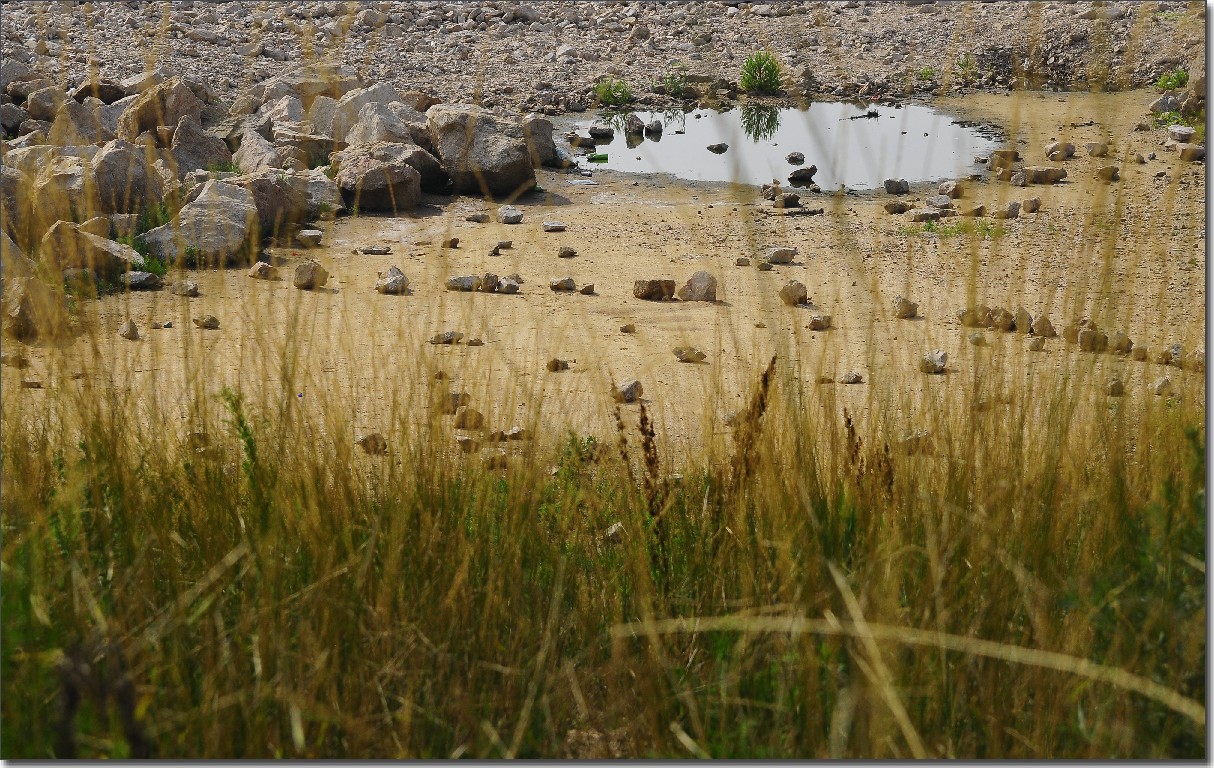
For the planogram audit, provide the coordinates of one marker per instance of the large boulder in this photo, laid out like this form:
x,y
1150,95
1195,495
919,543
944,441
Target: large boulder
x,y
76,124
280,200
44,103
307,82
432,177
124,179
396,123
108,115
163,104
65,246
194,148
537,130
288,109
217,227
320,115
350,105
11,117
13,263
481,152
256,154
14,203
309,148
323,193
233,130
105,90
64,190
30,309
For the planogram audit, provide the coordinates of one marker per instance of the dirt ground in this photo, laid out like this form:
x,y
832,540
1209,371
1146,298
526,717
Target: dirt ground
x,y
1130,254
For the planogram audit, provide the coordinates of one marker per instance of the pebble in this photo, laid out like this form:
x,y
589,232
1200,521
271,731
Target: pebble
x,y
554,226
934,362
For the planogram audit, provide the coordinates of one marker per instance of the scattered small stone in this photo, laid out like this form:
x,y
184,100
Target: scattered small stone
x,y
742,261
904,309
794,293
804,177
819,322
1162,386
554,226
187,288
933,362
129,330
898,206
1043,327
974,317
628,392
310,275
1012,211
508,285
556,364
1092,340
465,283
207,322
977,338
309,238
1107,173
1000,319
504,245
446,337
628,328
1190,153
566,252
851,377
263,271
587,289
689,355
941,202
1018,179
764,266
718,148
1022,320
167,324
1036,344
1031,205
376,250
449,242
374,444
951,189
1138,353
1182,134
477,218
392,282
508,214
476,343
467,444
1119,343
897,186
486,283
796,158
14,360
1115,388
564,284
1097,149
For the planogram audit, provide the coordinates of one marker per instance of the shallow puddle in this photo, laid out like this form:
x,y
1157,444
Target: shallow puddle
x,y
853,146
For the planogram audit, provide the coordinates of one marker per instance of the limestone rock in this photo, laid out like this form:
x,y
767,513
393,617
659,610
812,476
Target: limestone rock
x,y
310,275
794,293
481,152
700,287
904,309
934,362
653,290
392,282
628,392
215,228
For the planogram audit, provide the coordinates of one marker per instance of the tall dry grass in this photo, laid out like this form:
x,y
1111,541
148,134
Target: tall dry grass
x,y
1031,586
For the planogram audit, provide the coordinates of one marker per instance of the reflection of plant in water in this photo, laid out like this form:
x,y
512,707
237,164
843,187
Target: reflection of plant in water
x,y
760,121
674,118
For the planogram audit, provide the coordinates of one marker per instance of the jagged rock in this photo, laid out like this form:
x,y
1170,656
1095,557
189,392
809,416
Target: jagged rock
x,y
1162,386
904,309
1043,327
1139,353
897,187
207,322
803,176
481,152
898,206
393,282
13,263
794,158
142,281
566,285
193,148
464,283
934,362
281,199
187,288
161,105
257,154
689,355
1092,340
553,226
1031,205
129,330
486,283
941,202
468,418
31,310
537,130
215,228
566,252
44,103
383,176
653,290
628,392
310,275
780,255
556,365
1097,149
64,247
508,214
446,337
263,271
1036,344
124,181
309,238
700,287
75,124
974,317
1191,152
718,148
819,322
1044,174
63,190
978,339
508,286
1119,343
1012,211
1002,158
1022,320
950,189
851,377
103,89
1000,319
794,293
1108,173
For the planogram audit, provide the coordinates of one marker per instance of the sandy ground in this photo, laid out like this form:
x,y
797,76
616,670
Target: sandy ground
x,y
1130,254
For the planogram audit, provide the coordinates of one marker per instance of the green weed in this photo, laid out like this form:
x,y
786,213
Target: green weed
x,y
761,73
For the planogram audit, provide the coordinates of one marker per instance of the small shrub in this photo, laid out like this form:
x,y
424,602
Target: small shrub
x,y
674,81
966,69
611,92
760,73
1171,81
228,167
927,73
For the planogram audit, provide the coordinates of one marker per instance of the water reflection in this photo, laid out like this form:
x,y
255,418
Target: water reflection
x,y
760,121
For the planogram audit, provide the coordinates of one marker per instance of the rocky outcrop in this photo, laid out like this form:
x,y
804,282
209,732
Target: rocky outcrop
x,y
483,153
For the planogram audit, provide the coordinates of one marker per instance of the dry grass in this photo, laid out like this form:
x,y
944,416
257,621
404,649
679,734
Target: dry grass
x,y
1033,587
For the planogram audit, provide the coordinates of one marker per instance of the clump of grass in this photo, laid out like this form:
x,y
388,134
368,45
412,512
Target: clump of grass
x,y
761,73
673,81
612,92
925,73
226,167
965,69
1173,80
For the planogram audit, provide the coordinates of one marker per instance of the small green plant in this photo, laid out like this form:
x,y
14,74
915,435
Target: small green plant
x,y
611,92
760,73
674,81
966,69
1171,81
227,167
156,266
1197,122
331,171
927,73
